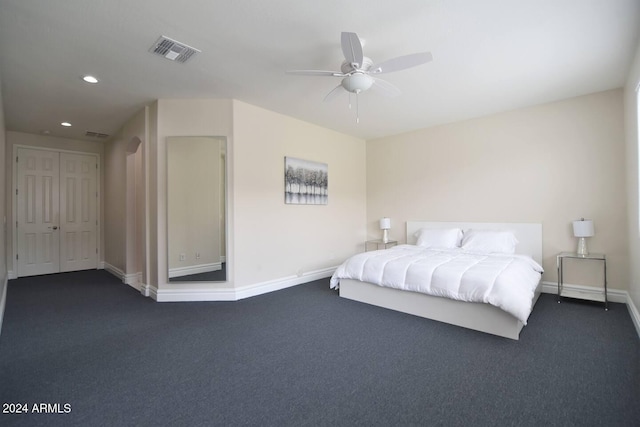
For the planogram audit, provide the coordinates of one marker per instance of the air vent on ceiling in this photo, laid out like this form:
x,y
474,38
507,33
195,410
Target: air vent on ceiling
x,y
96,135
173,50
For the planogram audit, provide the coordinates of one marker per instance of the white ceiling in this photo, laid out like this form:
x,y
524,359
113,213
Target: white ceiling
x,y
489,56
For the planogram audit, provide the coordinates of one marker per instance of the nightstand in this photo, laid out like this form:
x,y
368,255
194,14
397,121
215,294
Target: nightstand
x,y
374,245
575,294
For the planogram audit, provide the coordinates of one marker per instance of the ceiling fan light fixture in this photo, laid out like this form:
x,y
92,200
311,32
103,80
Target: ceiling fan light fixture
x,y
357,82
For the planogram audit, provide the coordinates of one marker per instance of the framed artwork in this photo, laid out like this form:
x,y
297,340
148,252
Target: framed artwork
x,y
305,182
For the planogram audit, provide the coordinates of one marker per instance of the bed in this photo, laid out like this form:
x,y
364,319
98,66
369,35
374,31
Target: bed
x,y
478,316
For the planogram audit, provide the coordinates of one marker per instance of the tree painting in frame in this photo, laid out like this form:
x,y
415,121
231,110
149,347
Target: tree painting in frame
x,y
305,182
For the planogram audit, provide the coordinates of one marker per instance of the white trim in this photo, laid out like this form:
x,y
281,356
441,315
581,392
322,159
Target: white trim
x,y
114,270
278,284
194,269
593,293
635,315
149,291
11,275
132,279
185,294
192,294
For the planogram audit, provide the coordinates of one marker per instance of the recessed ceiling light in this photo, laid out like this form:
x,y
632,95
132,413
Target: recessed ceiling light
x,y
90,79
66,124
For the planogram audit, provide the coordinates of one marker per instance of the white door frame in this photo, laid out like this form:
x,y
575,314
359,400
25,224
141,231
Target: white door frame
x,y
14,189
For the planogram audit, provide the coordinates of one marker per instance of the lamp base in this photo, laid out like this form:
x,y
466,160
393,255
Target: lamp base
x,y
385,236
582,246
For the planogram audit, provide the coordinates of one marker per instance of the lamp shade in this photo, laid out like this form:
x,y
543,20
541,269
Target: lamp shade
x,y
385,223
583,228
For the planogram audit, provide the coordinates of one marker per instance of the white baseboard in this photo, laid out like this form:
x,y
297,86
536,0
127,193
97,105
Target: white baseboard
x,y
184,294
192,294
194,269
132,279
635,315
276,285
587,292
114,270
148,291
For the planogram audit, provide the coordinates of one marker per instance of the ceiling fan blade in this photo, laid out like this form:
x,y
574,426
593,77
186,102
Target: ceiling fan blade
x,y
315,73
352,48
401,63
337,91
385,88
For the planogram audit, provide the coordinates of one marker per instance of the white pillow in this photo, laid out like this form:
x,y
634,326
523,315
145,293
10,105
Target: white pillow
x,y
439,237
489,241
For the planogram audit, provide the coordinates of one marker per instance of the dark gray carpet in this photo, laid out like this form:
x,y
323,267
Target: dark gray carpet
x,y
303,356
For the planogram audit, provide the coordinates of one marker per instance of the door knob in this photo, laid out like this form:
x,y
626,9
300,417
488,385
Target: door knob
x,y
55,227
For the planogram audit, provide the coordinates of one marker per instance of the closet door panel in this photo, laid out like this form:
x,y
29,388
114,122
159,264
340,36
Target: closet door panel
x,y
37,206
78,212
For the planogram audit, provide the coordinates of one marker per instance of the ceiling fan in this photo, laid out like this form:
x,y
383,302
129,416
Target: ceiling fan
x,y
357,71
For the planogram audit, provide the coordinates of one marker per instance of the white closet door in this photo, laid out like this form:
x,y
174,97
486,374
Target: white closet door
x,y
37,212
57,213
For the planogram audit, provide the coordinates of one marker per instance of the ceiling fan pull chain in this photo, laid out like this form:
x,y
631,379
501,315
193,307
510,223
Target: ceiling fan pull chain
x,y
357,109
349,100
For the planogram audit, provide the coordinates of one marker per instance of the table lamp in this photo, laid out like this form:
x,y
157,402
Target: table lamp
x,y
385,225
582,229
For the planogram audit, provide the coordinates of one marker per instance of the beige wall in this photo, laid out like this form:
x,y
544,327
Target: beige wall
x,y
632,116
115,202
115,196
267,240
274,240
551,163
48,142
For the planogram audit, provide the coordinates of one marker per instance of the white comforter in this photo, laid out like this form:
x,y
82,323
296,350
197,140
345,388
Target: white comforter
x,y
505,281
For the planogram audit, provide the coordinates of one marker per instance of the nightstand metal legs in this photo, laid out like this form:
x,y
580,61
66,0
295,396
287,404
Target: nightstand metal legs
x,y
578,293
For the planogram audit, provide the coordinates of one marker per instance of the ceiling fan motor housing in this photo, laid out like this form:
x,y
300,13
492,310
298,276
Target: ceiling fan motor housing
x,y
346,67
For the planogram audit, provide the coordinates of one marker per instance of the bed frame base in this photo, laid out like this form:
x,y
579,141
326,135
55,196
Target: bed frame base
x,y
477,316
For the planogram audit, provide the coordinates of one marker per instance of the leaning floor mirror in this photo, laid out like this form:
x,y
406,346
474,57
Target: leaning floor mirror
x,y
196,193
